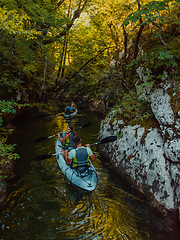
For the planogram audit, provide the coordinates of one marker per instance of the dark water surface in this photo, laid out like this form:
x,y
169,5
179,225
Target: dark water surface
x,y
42,204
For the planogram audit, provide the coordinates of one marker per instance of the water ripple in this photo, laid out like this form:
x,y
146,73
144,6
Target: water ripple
x,y
44,205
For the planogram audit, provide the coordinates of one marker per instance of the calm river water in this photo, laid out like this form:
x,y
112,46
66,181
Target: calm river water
x,y
42,204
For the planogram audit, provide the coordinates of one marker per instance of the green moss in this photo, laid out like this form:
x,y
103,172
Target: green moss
x,y
132,110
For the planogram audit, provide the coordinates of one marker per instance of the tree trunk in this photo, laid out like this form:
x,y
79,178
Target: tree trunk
x,y
136,46
125,52
64,58
60,64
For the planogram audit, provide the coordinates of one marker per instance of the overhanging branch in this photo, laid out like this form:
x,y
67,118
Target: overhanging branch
x,y
91,59
76,15
155,24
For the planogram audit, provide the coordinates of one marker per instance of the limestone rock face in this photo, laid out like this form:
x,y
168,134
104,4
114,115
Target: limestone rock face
x,y
149,158
160,105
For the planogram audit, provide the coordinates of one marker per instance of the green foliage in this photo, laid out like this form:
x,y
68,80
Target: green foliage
x,y
2,177
7,107
34,34
132,110
146,84
150,12
157,60
7,150
13,22
31,40
9,82
160,48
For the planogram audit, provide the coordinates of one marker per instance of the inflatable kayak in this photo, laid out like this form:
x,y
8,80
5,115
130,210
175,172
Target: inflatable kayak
x,y
70,115
86,180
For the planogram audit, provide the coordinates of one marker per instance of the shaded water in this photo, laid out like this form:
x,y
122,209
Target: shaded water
x,y
42,204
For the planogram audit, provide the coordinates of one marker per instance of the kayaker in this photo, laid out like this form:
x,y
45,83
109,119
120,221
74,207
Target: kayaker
x,y
73,106
69,109
67,141
79,157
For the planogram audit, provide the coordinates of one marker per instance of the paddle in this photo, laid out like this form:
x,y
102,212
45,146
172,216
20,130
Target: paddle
x,y
104,140
85,125
44,156
43,138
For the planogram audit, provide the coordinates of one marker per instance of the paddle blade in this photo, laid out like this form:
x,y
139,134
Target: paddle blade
x,y
105,140
108,139
86,125
42,157
40,139
43,138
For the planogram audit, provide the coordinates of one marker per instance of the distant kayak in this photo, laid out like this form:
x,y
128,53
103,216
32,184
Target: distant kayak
x,y
86,179
71,114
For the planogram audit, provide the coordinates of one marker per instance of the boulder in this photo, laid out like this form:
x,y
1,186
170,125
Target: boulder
x,y
148,157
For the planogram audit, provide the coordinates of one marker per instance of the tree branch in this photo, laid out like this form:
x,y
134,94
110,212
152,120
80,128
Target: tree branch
x,y
60,2
89,61
76,15
45,66
125,51
137,42
155,24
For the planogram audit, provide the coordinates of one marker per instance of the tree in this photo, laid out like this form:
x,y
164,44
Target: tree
x,y
156,15
31,33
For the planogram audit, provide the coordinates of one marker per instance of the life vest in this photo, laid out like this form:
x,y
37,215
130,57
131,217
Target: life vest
x,y
67,110
73,106
81,158
69,142
72,109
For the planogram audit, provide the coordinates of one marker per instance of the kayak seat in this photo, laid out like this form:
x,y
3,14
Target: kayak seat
x,y
82,170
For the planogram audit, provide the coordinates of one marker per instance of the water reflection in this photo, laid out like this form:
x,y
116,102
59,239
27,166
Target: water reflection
x,y
43,204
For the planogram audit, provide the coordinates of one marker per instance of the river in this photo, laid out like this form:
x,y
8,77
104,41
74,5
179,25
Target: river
x,y
43,204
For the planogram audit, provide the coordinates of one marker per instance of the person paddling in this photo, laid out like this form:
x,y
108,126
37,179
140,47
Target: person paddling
x,y
73,106
79,158
67,141
70,109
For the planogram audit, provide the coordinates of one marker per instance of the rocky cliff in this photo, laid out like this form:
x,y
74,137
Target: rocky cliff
x,y
149,157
